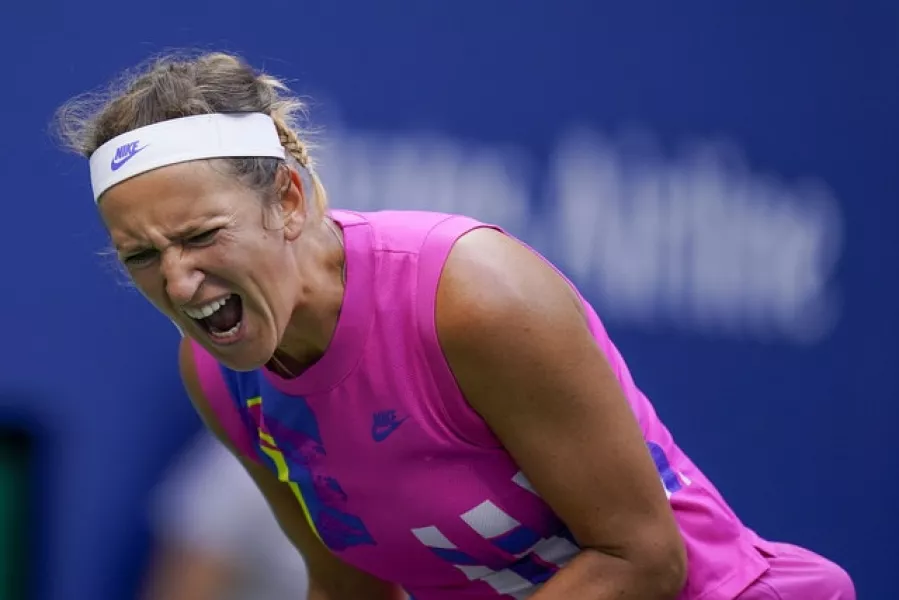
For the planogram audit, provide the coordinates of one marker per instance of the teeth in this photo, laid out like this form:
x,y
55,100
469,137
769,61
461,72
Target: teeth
x,y
207,309
225,334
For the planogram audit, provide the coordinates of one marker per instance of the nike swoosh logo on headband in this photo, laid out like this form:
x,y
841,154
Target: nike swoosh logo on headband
x,y
125,153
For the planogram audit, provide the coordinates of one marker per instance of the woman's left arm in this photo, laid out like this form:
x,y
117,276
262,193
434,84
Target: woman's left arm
x,y
517,341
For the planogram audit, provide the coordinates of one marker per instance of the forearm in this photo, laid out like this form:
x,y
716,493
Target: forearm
x,y
593,575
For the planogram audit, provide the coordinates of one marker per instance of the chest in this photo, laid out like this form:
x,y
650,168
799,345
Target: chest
x,y
389,489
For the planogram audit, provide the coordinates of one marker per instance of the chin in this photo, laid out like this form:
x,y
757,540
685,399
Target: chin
x,y
241,365
244,361
242,349
235,358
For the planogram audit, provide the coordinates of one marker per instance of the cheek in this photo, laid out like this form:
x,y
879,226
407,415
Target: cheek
x,y
257,259
150,287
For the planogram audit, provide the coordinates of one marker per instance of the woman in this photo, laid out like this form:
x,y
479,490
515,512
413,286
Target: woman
x,y
425,402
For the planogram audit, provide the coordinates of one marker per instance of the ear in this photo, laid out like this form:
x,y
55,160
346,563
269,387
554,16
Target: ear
x,y
293,204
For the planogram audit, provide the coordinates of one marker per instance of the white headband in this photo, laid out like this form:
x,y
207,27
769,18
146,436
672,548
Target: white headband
x,y
180,140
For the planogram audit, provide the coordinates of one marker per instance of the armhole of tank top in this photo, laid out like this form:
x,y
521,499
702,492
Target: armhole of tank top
x,y
222,401
459,418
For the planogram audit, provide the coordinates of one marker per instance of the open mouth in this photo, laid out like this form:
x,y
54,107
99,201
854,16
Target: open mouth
x,y
221,319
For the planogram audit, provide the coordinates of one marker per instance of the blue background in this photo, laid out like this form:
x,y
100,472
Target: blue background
x,y
799,435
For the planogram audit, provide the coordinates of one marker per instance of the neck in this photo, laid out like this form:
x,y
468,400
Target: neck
x,y
314,319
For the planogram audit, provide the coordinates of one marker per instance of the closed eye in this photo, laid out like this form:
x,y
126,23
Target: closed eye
x,y
144,257
205,238
140,259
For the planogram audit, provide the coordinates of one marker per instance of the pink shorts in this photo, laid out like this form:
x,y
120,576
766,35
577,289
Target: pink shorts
x,y
799,574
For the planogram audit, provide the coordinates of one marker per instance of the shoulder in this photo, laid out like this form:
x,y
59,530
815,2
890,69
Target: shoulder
x,y
202,376
509,324
491,282
215,396
187,365
198,379
404,230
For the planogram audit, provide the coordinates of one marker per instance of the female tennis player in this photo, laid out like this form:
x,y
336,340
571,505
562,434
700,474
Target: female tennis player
x,y
428,405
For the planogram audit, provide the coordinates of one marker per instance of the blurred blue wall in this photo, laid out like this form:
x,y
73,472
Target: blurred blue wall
x,y
721,181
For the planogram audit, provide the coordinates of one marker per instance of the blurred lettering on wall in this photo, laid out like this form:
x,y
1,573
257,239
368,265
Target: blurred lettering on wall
x,y
691,238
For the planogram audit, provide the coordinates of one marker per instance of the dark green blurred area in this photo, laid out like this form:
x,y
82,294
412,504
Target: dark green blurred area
x,y
15,463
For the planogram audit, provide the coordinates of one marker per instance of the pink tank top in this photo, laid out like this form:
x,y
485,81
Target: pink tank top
x,y
399,477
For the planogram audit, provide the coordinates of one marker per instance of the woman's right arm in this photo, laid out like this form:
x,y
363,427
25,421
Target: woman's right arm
x,y
329,577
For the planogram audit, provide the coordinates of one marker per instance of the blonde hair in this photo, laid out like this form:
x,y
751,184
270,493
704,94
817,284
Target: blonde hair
x,y
178,85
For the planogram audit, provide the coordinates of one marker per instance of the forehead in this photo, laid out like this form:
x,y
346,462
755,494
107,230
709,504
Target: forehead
x,y
169,198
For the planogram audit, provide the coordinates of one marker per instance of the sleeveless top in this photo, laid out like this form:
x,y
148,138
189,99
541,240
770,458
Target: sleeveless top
x,y
399,477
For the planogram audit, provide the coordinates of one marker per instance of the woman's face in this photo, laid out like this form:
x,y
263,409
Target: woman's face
x,y
210,255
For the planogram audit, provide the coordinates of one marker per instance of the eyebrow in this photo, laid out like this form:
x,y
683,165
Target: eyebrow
x,y
181,233
187,231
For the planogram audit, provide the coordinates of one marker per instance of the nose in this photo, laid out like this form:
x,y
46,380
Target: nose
x,y
182,278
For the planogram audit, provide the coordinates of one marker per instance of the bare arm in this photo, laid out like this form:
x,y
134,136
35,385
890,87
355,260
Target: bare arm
x,y
329,577
517,341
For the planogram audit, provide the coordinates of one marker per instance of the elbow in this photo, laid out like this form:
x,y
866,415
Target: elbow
x,y
662,571
654,573
670,579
